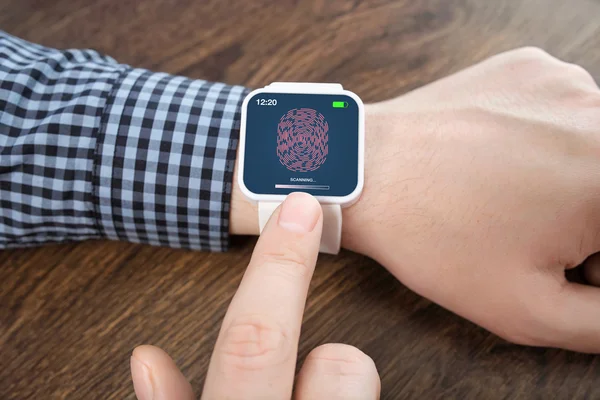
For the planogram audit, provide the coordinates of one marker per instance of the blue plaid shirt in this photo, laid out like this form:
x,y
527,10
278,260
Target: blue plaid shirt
x,y
90,148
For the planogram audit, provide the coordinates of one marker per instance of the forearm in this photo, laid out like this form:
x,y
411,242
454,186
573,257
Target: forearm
x,y
96,149
90,148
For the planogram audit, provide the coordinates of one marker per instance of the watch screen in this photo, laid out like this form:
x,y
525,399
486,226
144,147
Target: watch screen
x,y
301,142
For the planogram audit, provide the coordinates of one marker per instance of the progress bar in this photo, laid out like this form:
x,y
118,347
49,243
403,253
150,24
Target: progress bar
x,y
313,187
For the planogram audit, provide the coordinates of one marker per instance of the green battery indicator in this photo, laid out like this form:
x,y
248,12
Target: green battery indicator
x,y
340,104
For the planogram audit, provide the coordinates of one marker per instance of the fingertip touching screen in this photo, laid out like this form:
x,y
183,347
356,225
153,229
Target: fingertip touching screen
x,y
301,142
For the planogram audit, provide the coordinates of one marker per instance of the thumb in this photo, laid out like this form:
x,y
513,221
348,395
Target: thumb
x,y
575,318
156,377
591,269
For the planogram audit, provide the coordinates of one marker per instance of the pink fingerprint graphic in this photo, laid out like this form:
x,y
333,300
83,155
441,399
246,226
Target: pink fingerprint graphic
x,y
302,140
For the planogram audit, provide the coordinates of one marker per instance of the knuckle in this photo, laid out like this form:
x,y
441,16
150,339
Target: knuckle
x,y
578,72
287,260
529,60
342,360
593,103
530,53
254,342
525,63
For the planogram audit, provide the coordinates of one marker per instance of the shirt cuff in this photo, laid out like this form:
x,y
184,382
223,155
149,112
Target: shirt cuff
x,y
164,160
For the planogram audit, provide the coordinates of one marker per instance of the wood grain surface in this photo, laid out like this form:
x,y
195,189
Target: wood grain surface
x,y
71,314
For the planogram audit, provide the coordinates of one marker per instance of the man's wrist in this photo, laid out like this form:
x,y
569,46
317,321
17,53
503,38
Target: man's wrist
x,y
244,213
355,218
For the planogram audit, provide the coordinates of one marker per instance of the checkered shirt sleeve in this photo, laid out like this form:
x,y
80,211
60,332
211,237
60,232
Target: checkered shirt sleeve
x,y
90,149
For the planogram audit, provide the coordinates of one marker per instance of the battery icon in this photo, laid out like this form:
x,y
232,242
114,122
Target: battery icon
x,y
340,104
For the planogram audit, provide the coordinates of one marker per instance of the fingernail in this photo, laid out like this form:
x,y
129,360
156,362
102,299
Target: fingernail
x,y
299,213
142,380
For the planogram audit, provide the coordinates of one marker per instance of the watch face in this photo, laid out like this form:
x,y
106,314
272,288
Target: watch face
x,y
301,142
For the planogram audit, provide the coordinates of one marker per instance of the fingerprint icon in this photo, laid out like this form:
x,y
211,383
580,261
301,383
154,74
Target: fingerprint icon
x,y
302,140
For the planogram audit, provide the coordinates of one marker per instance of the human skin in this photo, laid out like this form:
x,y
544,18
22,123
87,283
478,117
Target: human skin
x,y
256,351
480,190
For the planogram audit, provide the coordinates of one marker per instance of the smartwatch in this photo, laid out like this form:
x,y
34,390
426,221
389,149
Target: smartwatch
x,y
303,137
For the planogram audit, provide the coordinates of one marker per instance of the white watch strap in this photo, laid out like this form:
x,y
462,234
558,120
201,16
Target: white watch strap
x,y
332,224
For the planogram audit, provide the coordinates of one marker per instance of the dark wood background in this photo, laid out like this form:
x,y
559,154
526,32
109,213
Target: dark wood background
x,y
71,314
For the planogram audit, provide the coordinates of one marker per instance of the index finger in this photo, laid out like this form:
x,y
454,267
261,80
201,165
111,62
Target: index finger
x,y
255,354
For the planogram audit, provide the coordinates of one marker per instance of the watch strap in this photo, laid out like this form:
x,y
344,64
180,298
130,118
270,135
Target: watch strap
x,y
332,224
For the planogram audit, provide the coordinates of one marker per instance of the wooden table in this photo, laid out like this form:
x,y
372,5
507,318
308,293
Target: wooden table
x,y
71,314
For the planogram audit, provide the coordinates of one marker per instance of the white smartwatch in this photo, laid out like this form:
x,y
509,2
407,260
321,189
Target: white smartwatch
x,y
303,137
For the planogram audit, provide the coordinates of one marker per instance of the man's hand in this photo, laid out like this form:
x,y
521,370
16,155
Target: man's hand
x,y
255,354
482,188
